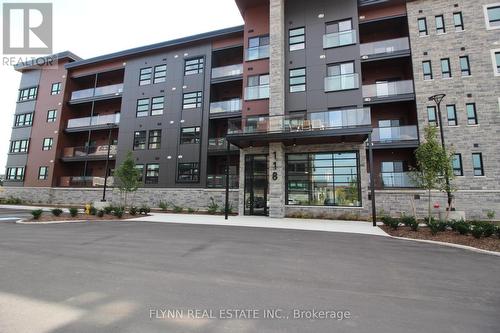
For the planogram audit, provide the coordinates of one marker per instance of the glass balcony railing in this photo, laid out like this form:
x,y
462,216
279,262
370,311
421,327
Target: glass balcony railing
x,y
89,151
395,134
342,82
227,71
218,144
233,105
348,118
256,92
385,47
85,181
219,181
115,89
107,119
341,38
259,52
396,180
388,89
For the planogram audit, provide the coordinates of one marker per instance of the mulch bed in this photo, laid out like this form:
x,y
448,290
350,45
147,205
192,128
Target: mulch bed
x,y
491,243
49,217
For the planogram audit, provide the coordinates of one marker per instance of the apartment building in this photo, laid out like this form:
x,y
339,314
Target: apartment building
x,y
311,107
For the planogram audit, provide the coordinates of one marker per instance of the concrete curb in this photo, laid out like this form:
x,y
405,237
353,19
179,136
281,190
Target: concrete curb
x,y
458,246
51,222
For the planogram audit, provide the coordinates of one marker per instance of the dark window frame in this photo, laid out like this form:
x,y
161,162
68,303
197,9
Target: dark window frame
x,y
192,100
296,41
471,118
300,86
157,106
57,90
195,138
440,24
192,174
160,74
19,146
478,170
145,76
465,71
18,174
140,111
139,145
27,94
457,170
446,74
51,116
45,175
154,139
432,121
152,174
23,119
460,26
427,75
194,65
452,121
47,144
424,31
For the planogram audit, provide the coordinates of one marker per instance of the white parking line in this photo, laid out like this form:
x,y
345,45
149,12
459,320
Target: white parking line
x,y
10,218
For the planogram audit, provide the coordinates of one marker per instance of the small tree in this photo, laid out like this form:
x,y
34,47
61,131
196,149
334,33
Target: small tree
x,y
433,165
127,177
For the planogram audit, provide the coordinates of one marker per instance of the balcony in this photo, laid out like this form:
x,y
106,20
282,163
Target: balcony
x,y
396,180
219,181
337,39
226,72
256,92
85,153
347,124
224,107
389,136
256,53
385,49
381,92
342,82
103,92
84,181
93,123
219,144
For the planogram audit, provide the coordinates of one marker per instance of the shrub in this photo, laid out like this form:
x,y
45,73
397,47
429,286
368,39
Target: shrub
x,y
213,207
13,201
133,210
191,210
462,227
118,212
229,209
109,209
73,211
100,213
441,225
36,213
178,209
487,228
56,211
490,214
144,209
407,220
477,231
93,210
163,205
390,222
433,226
414,225
497,231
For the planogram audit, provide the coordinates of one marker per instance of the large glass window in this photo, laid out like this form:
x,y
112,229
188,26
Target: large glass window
x,y
154,140
19,146
43,173
440,27
142,109
15,173
457,165
193,66
157,104
452,115
190,135
493,16
51,116
188,172
422,26
465,66
47,143
297,79
140,168
323,179
25,119
152,173
471,114
458,21
297,39
27,94
445,68
258,48
477,163
145,76
427,70
192,100
160,74
432,116
139,140
56,88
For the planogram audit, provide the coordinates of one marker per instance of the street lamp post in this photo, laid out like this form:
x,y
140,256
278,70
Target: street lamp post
x,y
107,163
438,99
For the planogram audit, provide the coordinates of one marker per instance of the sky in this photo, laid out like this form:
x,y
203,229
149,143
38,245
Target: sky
x,y
89,28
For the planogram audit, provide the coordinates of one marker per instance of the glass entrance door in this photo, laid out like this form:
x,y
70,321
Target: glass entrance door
x,y
256,185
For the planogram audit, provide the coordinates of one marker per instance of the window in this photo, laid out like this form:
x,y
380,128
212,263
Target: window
x,y
152,173
471,114
139,140
258,80
477,164
297,79
492,16
323,179
465,66
457,165
452,115
142,109
43,173
56,88
25,119
257,87
19,146
440,28
297,39
160,74
495,58
458,21
15,173
427,69
193,66
339,34
445,68
51,116
431,115
140,168
157,104
47,143
154,140
258,48
341,76
27,94
190,135
422,26
145,76
192,100
188,172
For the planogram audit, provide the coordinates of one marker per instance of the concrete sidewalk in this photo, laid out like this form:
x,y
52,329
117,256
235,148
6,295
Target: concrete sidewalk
x,y
354,227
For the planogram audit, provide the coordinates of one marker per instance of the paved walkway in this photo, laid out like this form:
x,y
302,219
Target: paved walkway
x,y
354,227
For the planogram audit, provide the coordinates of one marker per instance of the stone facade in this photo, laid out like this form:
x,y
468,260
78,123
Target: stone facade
x,y
187,198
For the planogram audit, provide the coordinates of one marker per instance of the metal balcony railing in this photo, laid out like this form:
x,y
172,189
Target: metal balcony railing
x,y
115,89
89,151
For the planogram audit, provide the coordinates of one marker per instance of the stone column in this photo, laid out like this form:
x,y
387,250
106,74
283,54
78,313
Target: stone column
x,y
276,160
241,186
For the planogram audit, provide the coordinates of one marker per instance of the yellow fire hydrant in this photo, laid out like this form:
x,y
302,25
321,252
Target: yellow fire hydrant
x,y
87,209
